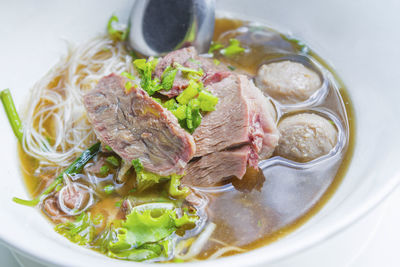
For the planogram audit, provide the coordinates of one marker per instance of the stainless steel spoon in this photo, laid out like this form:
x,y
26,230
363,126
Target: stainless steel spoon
x,y
160,26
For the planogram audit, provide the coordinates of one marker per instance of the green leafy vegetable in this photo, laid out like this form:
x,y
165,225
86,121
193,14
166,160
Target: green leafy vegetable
x,y
81,231
148,229
75,167
114,34
113,161
233,48
193,116
190,92
109,189
190,73
108,148
168,77
207,101
170,104
104,170
12,114
145,234
145,69
128,75
215,46
180,112
145,179
174,189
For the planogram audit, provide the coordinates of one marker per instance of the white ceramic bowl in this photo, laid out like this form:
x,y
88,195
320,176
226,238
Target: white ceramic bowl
x,y
358,38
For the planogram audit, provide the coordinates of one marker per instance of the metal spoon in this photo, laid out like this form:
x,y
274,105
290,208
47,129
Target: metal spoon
x,y
160,26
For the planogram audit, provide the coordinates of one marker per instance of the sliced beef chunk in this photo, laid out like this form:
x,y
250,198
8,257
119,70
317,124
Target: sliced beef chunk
x,y
237,134
240,117
189,58
137,127
216,167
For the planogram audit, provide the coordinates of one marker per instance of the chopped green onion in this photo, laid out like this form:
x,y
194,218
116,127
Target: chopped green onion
x,y
104,170
107,147
231,67
12,114
233,48
216,62
113,161
118,204
109,189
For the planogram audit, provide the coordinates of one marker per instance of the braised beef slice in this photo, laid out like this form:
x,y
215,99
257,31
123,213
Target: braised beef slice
x,y
137,127
241,119
189,58
214,168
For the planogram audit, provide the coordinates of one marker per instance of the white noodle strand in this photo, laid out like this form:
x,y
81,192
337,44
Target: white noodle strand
x,y
57,99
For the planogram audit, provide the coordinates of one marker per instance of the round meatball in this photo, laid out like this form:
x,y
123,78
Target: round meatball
x,y
288,82
305,137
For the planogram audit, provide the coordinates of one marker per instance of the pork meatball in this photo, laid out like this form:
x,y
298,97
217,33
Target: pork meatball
x,y
305,137
288,82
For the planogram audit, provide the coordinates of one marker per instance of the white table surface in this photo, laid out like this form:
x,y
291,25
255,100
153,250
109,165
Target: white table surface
x,y
372,241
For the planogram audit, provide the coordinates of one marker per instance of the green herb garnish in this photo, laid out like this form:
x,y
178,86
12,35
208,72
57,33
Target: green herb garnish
x,y
109,189
168,77
233,48
114,34
75,167
113,161
12,114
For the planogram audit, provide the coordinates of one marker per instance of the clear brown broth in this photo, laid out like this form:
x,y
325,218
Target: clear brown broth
x,y
248,219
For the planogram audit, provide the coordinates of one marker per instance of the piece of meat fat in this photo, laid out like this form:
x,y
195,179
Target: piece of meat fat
x,y
216,167
137,127
264,134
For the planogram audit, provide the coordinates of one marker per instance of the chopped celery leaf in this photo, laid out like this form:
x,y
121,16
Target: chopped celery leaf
x,y
81,231
174,189
170,104
215,46
117,35
145,69
113,161
207,101
104,170
109,189
168,77
233,48
145,179
190,92
188,71
180,112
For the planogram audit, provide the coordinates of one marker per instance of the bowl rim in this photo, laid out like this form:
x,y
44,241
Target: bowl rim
x,y
249,258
